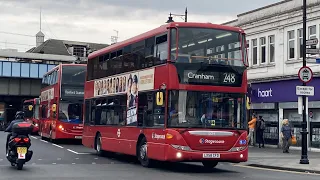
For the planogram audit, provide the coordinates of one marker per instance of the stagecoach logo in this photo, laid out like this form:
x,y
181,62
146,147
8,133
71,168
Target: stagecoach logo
x,y
77,127
207,141
118,133
157,136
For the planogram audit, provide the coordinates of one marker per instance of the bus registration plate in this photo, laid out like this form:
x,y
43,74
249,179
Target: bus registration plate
x,y
210,155
78,137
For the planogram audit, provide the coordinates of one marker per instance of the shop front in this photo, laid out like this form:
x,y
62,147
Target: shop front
x,y
277,100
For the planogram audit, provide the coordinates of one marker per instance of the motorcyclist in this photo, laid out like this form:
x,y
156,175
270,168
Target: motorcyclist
x,y
19,117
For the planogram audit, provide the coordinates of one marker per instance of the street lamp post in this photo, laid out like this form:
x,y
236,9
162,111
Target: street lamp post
x,y
185,16
304,133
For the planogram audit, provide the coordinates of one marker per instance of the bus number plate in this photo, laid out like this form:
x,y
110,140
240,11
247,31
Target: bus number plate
x,y
78,137
210,155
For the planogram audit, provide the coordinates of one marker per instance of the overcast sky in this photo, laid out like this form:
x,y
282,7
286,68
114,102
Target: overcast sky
x,y
96,20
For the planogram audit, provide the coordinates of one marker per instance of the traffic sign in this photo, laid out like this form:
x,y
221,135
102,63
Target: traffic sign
x,y
305,90
305,74
312,51
311,42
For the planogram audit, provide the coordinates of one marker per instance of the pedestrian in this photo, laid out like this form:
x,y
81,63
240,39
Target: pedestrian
x,y
286,135
260,127
252,125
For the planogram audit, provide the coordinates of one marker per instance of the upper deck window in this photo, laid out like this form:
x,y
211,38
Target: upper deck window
x,y
211,46
73,74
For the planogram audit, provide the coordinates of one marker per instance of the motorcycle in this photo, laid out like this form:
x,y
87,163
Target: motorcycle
x,y
18,147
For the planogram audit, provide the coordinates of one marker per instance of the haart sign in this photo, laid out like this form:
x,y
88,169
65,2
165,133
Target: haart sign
x,y
265,93
281,91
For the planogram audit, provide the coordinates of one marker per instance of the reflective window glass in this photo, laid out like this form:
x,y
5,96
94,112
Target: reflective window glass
x,y
43,68
6,69
51,67
0,68
25,69
16,69
34,71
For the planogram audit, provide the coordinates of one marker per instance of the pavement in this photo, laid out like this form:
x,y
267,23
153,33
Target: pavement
x,y
72,161
274,158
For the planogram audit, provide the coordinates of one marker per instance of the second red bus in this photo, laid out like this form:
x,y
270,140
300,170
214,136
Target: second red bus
x,y
62,102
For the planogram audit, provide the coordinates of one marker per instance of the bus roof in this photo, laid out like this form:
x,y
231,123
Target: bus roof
x,y
60,65
160,30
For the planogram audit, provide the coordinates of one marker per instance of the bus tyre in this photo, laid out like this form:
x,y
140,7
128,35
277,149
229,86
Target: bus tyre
x,y
98,145
209,164
19,165
50,139
142,153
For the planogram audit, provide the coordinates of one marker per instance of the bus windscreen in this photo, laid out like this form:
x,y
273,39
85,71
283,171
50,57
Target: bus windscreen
x,y
73,75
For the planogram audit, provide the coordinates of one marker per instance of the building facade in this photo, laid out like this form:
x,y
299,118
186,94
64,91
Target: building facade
x,y
274,38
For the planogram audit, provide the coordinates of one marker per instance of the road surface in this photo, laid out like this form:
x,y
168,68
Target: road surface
x,y
75,162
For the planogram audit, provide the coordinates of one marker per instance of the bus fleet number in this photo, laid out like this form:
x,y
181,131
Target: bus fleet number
x,y
229,78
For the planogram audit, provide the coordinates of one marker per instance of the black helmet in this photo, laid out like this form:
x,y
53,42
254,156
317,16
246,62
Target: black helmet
x,y
19,115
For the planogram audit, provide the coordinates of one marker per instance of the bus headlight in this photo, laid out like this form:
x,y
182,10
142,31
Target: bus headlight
x,y
61,128
183,148
237,149
36,125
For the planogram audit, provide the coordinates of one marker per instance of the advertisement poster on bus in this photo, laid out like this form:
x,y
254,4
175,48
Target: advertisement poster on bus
x,y
132,98
47,95
119,84
128,84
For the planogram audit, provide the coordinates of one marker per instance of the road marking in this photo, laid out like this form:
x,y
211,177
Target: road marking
x,y
34,137
39,159
57,145
54,163
72,151
58,159
73,163
93,163
76,152
95,158
44,141
276,170
77,158
1,159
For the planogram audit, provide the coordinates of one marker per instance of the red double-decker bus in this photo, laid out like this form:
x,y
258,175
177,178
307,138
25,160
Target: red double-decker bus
x,y
62,102
175,93
31,108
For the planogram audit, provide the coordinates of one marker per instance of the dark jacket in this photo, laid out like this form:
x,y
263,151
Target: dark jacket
x,y
9,128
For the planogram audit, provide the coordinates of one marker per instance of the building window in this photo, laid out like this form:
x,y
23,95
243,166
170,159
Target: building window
x,y
300,43
263,50
271,48
291,43
78,51
313,34
254,52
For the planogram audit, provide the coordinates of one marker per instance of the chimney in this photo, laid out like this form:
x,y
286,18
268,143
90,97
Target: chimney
x,y
39,38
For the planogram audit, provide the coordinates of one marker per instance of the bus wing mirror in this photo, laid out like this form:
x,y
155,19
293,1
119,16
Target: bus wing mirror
x,y
159,98
54,107
30,107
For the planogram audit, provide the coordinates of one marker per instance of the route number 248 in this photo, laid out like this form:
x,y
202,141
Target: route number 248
x,y
229,78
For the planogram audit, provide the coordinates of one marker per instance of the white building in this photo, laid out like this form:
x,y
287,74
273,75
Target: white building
x,y
274,36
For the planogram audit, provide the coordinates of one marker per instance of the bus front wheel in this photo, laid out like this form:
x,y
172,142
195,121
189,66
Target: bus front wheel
x,y
210,164
142,153
98,145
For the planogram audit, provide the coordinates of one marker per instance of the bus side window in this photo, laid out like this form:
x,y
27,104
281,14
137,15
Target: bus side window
x,y
149,113
87,112
44,111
